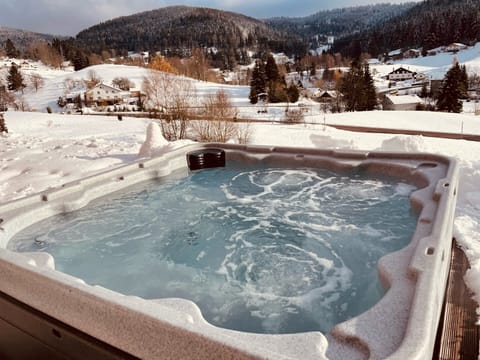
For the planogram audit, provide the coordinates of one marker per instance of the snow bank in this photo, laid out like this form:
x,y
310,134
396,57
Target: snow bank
x,y
155,143
404,143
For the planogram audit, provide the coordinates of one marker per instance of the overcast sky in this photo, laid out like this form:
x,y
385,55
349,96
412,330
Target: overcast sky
x,y
67,17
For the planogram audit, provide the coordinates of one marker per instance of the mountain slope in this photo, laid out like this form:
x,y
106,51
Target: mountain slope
x,y
178,28
339,22
428,24
22,39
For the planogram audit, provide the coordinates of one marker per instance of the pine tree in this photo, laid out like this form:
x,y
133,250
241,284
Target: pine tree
x,y
454,87
271,69
10,49
293,93
358,88
258,82
370,95
15,79
80,60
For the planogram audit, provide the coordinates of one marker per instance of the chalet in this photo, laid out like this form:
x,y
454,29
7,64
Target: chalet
x,y
394,55
102,95
411,53
455,47
401,102
401,74
326,96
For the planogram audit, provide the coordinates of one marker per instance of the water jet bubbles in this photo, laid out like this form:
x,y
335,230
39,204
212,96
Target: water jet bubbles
x,y
40,241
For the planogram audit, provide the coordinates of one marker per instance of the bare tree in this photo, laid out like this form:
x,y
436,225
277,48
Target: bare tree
x,y
92,79
244,132
47,55
294,116
70,84
36,81
170,98
123,83
219,123
21,104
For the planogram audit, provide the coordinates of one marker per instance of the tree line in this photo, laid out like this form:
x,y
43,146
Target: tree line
x,y
430,24
177,31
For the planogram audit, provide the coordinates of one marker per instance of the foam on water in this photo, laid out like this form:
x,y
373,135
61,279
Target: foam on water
x,y
260,250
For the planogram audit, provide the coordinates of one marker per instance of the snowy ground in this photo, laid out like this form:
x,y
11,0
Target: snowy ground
x,y
47,150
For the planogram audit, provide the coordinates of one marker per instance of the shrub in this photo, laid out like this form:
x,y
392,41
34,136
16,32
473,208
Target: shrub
x,y
294,116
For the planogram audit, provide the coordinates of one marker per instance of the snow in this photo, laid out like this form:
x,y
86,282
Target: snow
x,y
155,144
404,99
42,150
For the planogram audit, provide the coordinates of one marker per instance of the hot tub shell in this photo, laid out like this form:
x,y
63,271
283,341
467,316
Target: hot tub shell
x,y
52,311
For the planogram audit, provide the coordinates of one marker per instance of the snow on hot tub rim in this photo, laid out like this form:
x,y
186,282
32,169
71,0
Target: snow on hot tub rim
x,y
422,258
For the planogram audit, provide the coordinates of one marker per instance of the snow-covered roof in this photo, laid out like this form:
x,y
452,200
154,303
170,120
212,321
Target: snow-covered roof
x,y
395,52
401,70
404,99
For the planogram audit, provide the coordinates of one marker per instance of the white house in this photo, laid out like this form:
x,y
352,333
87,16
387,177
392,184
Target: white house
x,y
103,94
401,74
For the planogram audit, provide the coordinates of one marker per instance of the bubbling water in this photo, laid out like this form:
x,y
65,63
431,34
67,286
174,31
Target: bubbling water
x,y
257,249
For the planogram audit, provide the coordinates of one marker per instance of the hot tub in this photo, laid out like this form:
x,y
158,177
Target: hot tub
x,y
71,314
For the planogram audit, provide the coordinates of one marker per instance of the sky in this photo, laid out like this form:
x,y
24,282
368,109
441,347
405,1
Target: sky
x,y
66,17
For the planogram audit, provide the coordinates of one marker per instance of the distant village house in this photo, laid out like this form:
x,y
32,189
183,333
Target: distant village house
x,y
401,102
103,95
401,74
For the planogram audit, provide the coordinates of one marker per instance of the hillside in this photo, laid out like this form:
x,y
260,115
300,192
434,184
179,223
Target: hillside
x,y
426,25
339,22
178,29
22,38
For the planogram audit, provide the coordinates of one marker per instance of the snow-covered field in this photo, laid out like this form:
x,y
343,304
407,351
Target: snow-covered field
x,y
47,150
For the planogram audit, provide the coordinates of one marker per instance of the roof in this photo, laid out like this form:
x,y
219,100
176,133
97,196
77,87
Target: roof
x,y
403,99
401,69
327,94
108,87
395,52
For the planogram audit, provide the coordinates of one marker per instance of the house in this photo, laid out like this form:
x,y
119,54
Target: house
x,y
455,47
102,95
401,102
326,96
411,53
394,55
401,74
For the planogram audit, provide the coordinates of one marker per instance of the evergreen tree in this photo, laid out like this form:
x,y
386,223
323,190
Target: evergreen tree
x,y
80,60
454,87
15,79
271,70
10,49
370,95
258,82
358,89
266,79
277,92
293,93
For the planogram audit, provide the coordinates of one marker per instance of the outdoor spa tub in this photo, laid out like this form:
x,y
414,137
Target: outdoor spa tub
x,y
258,263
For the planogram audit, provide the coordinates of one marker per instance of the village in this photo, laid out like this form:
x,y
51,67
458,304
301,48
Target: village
x,y
399,83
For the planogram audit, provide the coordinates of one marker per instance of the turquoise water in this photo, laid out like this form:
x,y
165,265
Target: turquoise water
x,y
259,250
